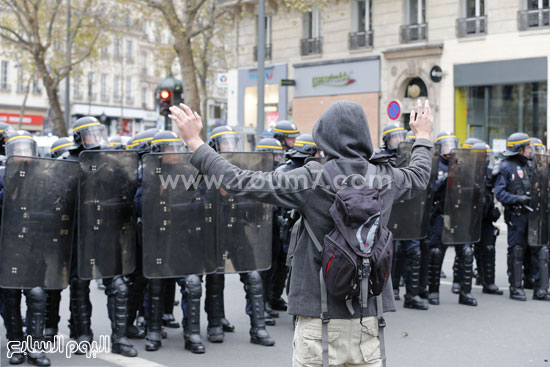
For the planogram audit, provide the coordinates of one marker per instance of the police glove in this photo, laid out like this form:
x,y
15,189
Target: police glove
x,y
524,199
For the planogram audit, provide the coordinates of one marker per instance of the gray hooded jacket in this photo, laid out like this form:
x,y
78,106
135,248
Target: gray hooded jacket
x,y
342,133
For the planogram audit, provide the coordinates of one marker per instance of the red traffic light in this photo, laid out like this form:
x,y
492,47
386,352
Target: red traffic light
x,y
165,95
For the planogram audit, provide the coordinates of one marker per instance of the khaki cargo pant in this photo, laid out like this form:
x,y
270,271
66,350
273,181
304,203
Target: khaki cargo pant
x,y
349,343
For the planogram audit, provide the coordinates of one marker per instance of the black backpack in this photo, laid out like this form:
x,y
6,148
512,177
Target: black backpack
x,y
357,253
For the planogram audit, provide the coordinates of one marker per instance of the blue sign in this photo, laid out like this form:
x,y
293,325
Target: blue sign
x,y
394,110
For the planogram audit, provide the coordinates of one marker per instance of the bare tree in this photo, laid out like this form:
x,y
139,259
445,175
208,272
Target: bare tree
x,y
38,30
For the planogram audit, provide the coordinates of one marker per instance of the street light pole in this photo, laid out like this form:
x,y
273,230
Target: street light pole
x,y
261,67
68,79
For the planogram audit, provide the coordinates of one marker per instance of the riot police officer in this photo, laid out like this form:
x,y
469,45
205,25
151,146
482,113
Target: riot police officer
x,y
224,139
392,135
286,132
448,142
484,250
21,143
512,189
537,147
118,142
5,128
60,146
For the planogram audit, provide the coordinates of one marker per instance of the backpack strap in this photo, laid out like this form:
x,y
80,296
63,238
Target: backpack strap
x,y
325,318
293,241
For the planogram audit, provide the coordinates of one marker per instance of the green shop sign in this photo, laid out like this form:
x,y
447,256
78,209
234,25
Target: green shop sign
x,y
333,80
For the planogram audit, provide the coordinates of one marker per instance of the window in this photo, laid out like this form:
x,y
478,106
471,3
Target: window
x,y
473,20
104,92
361,35
116,88
104,52
128,90
116,45
36,89
4,75
76,86
311,42
20,76
91,85
415,28
144,97
536,15
475,8
129,51
267,26
144,63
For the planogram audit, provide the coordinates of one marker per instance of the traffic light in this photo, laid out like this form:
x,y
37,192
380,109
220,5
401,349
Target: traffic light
x,y
165,102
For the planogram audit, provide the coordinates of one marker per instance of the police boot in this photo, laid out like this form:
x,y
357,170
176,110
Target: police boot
x,y
136,290
254,294
168,318
11,299
412,298
153,340
516,273
51,315
269,310
191,321
424,268
81,312
36,305
465,265
436,260
214,331
226,325
456,277
398,268
117,307
276,300
268,319
479,259
488,273
540,293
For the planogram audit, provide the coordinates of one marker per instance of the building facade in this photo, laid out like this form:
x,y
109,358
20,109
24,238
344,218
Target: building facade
x,y
482,64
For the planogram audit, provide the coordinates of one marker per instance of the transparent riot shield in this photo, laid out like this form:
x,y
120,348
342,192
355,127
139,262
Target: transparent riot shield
x,y
463,210
106,215
538,217
38,217
179,227
244,227
410,214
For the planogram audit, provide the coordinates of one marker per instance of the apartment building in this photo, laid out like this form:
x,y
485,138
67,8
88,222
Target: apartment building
x,y
483,64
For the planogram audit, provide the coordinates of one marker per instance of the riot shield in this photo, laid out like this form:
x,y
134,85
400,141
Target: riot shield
x,y
179,232
106,215
410,215
538,218
37,222
244,227
464,197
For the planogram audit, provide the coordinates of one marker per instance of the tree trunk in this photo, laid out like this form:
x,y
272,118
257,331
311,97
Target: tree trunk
x,y
191,95
51,90
24,105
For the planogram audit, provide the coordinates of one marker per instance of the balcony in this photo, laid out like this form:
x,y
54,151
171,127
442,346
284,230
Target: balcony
x,y
267,52
533,19
471,26
360,40
413,32
311,46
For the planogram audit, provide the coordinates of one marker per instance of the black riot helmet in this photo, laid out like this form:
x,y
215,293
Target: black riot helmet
x,y
537,146
285,129
392,135
21,143
167,141
448,142
142,141
5,128
481,146
516,143
410,137
115,143
61,146
274,146
224,139
89,133
468,143
304,147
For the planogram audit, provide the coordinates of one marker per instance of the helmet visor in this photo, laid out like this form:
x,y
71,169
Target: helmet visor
x,y
227,143
448,144
395,138
21,146
94,137
173,148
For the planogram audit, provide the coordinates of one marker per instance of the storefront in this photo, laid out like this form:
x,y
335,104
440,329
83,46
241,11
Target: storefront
x,y
30,122
318,84
496,99
243,96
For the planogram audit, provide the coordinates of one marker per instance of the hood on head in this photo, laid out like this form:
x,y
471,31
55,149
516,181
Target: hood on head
x,y
343,132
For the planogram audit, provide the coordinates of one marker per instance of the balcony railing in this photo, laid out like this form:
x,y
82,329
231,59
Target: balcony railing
x,y
311,46
267,52
529,19
413,32
471,26
359,40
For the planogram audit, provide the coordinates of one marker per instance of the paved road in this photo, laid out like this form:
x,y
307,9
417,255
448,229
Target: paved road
x,y
499,332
